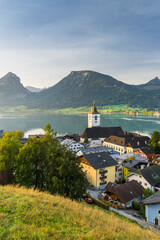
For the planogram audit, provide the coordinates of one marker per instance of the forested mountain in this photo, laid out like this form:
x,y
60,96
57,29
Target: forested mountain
x,y
78,89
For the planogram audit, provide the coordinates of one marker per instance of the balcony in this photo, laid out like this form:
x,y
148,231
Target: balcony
x,y
103,177
103,183
102,171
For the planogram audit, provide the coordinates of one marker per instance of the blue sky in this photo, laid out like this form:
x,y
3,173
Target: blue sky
x,y
42,41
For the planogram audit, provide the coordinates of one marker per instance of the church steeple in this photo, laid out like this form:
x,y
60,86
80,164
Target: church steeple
x,y
93,117
94,109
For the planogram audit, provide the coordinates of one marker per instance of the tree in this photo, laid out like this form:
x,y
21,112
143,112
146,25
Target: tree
x,y
9,149
155,141
20,133
30,165
147,192
86,140
45,164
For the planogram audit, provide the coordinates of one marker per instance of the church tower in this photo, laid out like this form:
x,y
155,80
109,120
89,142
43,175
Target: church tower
x,y
93,117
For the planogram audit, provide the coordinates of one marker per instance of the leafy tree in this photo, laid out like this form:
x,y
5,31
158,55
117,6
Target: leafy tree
x,y
20,133
29,170
44,164
9,149
86,140
155,141
147,192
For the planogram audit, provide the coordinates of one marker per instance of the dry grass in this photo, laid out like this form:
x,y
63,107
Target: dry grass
x,y
28,214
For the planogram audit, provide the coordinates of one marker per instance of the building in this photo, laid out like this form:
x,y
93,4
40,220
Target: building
x,y
72,145
87,150
95,134
133,165
99,168
124,194
127,142
93,117
156,159
152,208
145,152
149,177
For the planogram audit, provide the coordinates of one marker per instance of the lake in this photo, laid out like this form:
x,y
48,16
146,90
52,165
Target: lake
x,y
34,123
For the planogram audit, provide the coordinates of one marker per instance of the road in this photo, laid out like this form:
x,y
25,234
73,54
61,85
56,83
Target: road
x,y
141,222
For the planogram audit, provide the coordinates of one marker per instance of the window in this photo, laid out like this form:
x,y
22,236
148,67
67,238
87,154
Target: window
x,y
95,118
145,184
85,166
120,174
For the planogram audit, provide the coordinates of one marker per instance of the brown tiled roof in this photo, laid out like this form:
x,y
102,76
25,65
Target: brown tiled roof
x,y
127,191
102,132
131,139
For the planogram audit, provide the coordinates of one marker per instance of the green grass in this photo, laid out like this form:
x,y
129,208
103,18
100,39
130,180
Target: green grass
x,y
28,214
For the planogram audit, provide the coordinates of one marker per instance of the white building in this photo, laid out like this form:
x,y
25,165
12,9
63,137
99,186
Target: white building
x,y
72,145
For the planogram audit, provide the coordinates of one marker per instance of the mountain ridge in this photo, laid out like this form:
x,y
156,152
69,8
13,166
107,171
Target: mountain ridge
x,y
78,89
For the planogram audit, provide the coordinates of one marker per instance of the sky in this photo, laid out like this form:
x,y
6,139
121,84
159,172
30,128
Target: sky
x,y
42,41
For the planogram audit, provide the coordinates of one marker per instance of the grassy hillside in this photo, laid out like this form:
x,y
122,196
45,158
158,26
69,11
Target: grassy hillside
x,y
28,214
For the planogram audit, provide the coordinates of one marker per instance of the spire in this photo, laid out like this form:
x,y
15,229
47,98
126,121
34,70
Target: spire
x,y
94,109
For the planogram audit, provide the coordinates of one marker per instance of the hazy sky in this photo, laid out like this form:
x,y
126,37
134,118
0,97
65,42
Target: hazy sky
x,y
42,41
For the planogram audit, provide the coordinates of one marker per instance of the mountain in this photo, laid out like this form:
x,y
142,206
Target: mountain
x,y
34,89
152,85
80,88
12,92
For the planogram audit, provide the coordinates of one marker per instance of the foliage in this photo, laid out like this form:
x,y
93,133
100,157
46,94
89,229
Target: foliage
x,y
28,214
155,141
147,192
86,140
139,207
44,164
9,149
20,133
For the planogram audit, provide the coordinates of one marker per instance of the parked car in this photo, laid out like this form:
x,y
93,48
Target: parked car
x,y
137,215
88,200
84,196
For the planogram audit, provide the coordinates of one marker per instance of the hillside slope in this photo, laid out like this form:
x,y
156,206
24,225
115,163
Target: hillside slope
x,y
28,214
80,88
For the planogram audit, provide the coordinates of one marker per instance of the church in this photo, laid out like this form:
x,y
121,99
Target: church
x,y
95,134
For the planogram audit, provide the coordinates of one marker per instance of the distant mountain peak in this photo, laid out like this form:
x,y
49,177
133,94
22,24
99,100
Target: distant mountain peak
x,y
10,77
154,81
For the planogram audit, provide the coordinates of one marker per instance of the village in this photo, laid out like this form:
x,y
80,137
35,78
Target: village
x,y
122,169
119,166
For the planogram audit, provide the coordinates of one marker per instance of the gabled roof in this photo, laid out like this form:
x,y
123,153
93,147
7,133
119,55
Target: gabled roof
x,y
133,163
153,199
101,132
127,191
100,160
134,140
151,174
147,150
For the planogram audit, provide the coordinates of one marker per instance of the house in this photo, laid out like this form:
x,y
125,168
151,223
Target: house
x,y
96,134
98,149
133,165
152,208
156,159
149,177
72,145
124,194
119,169
145,152
99,168
126,143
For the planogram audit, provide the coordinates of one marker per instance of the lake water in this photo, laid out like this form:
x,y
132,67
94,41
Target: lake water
x,y
34,123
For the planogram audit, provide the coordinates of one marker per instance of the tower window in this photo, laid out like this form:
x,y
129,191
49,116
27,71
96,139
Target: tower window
x,y
95,117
